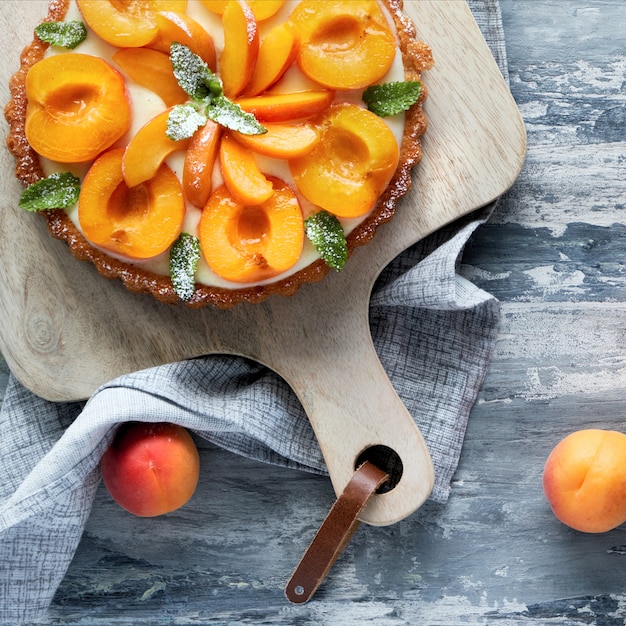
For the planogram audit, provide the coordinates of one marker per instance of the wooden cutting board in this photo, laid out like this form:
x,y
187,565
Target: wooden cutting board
x,y
64,330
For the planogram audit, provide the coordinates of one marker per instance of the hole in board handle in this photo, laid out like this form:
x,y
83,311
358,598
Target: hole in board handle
x,y
386,459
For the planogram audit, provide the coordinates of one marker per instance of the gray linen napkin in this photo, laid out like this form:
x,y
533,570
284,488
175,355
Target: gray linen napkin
x,y
434,332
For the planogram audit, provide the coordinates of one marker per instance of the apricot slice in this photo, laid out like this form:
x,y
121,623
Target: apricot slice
x,y
148,148
282,141
126,23
245,181
277,52
77,107
344,44
283,107
351,165
200,157
241,47
245,244
139,222
184,30
151,69
262,9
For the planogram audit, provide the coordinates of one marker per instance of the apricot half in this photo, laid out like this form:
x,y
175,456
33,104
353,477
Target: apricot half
x,y
351,165
139,222
126,23
245,244
584,480
77,107
344,44
151,469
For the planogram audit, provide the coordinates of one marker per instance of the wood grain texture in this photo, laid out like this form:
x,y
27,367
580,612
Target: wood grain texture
x,y
494,554
68,331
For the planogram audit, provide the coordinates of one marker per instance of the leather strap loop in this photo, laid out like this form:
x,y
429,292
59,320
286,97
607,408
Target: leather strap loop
x,y
334,534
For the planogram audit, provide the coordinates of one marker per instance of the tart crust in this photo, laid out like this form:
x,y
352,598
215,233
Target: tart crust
x,y
416,57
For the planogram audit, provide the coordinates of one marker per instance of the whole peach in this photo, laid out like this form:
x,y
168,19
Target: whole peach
x,y
151,469
584,480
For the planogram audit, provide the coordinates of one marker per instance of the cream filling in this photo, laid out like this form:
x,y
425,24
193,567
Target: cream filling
x,y
146,105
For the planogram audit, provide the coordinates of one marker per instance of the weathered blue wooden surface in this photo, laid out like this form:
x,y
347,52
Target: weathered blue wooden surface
x,y
555,255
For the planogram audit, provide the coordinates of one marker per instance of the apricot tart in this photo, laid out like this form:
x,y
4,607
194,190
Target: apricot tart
x,y
214,152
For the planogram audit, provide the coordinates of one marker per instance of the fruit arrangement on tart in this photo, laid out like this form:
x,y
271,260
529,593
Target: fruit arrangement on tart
x,y
218,151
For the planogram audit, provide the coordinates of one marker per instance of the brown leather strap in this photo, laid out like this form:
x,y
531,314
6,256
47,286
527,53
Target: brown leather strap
x,y
334,534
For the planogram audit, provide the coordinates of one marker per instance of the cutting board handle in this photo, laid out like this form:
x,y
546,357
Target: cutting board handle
x,y
354,410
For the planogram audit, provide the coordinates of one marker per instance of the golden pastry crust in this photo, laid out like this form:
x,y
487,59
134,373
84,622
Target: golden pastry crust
x,y
416,57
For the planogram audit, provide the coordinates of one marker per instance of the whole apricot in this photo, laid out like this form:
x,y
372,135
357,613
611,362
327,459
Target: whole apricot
x,y
584,480
151,469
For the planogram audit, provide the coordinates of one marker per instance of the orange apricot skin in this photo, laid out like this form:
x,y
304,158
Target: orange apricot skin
x,y
285,107
148,149
137,223
349,168
241,47
344,44
282,141
75,96
277,52
262,9
584,480
129,24
200,157
245,181
184,30
151,69
247,244
151,469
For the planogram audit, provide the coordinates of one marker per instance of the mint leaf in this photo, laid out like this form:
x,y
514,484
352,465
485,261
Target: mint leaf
x,y
57,191
184,257
183,121
205,88
232,116
193,74
392,98
326,234
62,34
